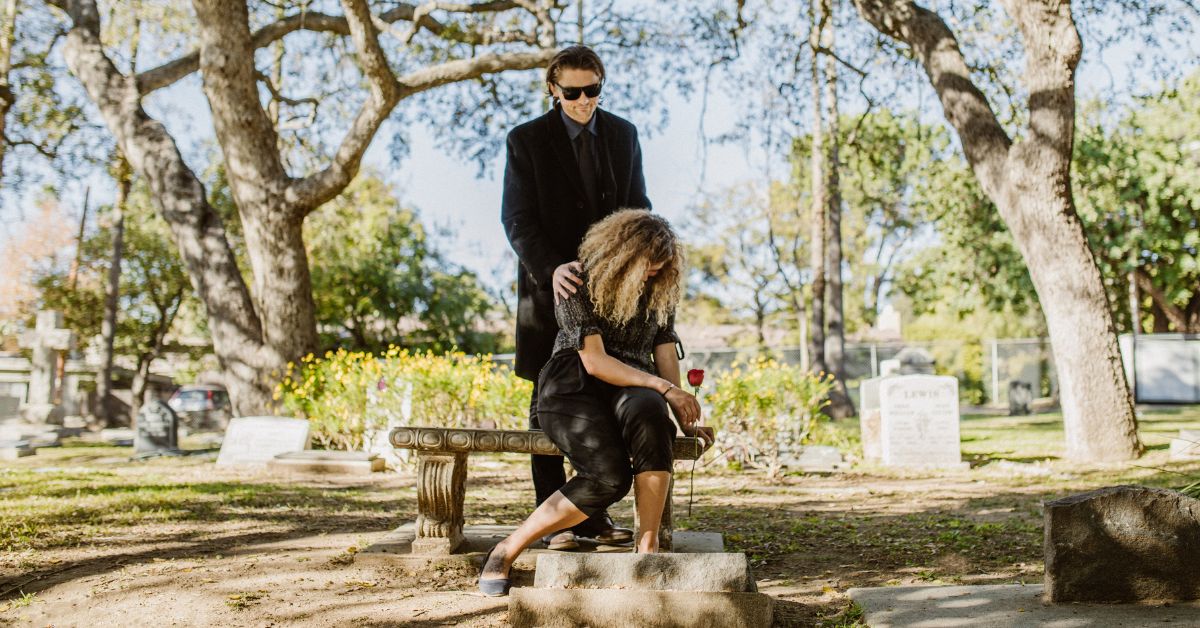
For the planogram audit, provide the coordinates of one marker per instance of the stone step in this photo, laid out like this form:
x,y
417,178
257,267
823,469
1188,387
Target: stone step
x,y
728,573
617,608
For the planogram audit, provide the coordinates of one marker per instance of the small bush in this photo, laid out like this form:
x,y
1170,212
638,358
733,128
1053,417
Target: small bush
x,y
348,396
763,407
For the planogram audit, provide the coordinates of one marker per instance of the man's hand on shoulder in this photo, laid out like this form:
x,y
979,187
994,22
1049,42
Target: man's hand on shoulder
x,y
566,280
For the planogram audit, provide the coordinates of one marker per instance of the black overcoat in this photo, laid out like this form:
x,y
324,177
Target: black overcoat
x,y
545,213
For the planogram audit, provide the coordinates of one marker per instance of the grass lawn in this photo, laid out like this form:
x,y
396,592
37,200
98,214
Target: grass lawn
x,y
194,544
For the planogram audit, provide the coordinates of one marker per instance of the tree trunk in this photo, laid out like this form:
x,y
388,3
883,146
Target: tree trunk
x,y
196,226
252,346
820,202
112,292
8,36
840,406
1030,183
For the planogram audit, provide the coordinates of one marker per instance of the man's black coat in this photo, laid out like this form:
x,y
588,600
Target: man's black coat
x,y
546,214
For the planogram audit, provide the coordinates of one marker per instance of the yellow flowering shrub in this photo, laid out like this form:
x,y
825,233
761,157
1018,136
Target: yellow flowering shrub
x,y
348,395
759,407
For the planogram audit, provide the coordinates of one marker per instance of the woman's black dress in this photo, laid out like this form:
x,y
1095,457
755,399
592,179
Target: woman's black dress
x,y
609,433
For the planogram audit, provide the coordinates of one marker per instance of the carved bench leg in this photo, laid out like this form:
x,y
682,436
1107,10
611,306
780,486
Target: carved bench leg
x,y
441,486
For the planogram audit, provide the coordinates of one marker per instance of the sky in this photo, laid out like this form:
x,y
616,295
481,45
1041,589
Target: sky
x,y
679,165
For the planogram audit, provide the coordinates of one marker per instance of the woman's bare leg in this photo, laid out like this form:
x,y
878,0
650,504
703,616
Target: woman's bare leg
x,y
556,513
651,490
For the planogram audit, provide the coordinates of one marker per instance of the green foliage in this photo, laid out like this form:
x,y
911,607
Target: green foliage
x,y
378,280
154,283
1138,195
349,396
760,407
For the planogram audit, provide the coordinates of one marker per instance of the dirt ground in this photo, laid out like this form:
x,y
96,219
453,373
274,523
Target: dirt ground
x,y
180,542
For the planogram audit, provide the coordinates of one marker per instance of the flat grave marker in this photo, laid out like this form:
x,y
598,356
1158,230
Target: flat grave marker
x,y
256,440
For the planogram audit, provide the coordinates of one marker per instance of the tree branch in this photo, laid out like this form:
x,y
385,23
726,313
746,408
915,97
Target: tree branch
x,y
933,43
310,192
172,71
1174,314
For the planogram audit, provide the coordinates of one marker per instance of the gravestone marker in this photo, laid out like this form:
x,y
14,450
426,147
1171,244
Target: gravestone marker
x,y
47,340
919,421
157,431
13,449
1020,398
868,422
256,440
1186,446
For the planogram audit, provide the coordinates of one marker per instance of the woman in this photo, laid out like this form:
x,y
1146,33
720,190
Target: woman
x,y
603,396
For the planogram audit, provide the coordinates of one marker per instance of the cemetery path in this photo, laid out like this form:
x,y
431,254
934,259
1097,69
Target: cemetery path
x,y
89,538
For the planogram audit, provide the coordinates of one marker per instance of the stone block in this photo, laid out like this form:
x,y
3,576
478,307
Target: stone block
x,y
13,449
617,608
1187,446
1123,544
319,461
655,572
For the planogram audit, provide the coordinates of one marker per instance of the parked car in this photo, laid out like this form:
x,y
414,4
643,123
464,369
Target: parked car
x,y
202,406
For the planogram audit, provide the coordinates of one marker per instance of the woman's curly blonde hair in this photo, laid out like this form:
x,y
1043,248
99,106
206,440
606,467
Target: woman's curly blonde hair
x,y
615,255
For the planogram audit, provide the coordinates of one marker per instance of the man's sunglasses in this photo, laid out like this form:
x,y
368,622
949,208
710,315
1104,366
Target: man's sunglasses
x,y
572,93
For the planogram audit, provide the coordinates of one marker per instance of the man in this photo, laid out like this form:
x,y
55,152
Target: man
x,y
566,170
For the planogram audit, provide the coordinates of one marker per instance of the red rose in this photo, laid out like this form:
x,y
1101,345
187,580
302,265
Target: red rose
x,y
696,377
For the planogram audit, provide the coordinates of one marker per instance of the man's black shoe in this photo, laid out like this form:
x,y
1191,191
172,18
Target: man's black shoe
x,y
602,530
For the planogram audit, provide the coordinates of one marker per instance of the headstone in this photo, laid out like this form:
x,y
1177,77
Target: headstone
x,y
385,413
1020,398
257,440
889,367
816,459
918,417
13,449
1187,446
117,436
915,361
1122,544
37,435
47,340
868,421
9,406
157,430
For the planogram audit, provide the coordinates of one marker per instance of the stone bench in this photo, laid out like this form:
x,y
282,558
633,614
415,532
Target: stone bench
x,y
442,475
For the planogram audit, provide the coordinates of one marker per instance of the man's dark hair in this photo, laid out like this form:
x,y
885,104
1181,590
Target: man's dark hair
x,y
574,58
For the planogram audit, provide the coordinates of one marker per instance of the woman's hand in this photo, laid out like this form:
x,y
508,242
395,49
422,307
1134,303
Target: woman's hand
x,y
686,408
703,432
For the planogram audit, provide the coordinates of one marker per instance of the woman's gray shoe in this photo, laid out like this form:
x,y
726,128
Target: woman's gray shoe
x,y
493,587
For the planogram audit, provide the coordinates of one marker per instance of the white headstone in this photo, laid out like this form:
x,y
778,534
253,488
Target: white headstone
x,y
919,421
889,367
255,440
383,414
868,418
1187,446
46,341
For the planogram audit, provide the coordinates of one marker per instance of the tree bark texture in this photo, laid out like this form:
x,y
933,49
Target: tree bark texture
x,y
253,337
820,201
1030,183
8,36
840,406
112,293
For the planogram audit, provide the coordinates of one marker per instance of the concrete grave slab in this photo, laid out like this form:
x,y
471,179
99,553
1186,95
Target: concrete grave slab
x,y
13,449
655,572
1004,606
621,608
397,545
319,461
1186,446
